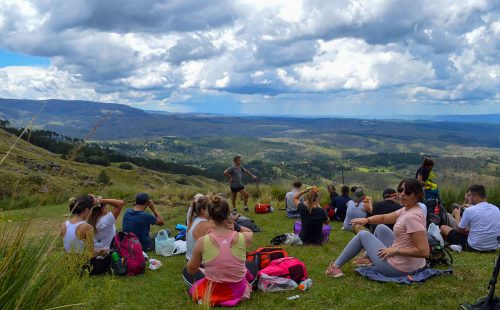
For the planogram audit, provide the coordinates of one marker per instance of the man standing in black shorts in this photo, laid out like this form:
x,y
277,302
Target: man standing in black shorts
x,y
234,174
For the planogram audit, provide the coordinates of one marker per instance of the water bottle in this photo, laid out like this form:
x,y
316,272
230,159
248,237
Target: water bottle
x,y
115,257
162,235
293,297
305,285
118,264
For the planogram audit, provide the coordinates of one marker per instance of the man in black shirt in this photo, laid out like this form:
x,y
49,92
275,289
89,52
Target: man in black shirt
x,y
388,205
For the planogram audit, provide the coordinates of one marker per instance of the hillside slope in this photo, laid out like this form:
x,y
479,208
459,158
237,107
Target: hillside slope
x,y
34,176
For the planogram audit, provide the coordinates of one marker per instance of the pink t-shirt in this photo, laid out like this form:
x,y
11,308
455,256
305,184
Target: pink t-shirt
x,y
409,221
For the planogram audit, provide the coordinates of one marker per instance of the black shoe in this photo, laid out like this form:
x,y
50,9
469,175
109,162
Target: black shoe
x,y
246,209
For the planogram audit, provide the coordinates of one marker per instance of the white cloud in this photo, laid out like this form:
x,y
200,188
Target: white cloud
x,y
132,51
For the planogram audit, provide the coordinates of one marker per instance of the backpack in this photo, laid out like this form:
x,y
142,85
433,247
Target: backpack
x,y
436,212
287,267
248,223
129,247
438,255
261,208
263,256
330,211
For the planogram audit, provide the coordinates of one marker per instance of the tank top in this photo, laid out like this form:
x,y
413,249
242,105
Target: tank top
x,y
70,241
190,241
225,264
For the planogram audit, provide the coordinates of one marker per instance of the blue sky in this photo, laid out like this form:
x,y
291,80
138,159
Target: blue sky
x,y
8,58
281,57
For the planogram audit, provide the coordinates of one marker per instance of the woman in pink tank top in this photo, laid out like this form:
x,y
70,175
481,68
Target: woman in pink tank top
x,y
222,252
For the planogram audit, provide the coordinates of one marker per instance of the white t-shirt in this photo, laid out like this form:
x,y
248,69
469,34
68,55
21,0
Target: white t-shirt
x,y
106,231
424,208
483,222
289,204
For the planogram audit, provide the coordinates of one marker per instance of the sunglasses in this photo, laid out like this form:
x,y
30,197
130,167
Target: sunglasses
x,y
407,192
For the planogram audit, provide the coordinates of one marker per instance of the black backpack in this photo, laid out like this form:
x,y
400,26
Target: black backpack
x,y
438,255
436,212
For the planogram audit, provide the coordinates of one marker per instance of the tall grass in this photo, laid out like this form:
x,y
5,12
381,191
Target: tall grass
x,y
32,276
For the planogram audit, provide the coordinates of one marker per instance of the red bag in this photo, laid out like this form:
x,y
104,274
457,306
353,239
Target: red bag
x,y
263,256
329,210
261,208
287,267
129,247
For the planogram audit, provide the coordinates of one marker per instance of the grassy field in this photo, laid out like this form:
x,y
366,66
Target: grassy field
x,y
165,289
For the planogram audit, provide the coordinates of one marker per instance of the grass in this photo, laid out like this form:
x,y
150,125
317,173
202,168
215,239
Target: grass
x,y
164,288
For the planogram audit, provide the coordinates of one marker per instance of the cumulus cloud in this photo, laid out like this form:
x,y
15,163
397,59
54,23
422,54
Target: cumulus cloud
x,y
159,51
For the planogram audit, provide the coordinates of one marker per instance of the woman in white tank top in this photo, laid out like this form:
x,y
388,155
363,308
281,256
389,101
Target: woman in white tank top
x,y
200,224
77,235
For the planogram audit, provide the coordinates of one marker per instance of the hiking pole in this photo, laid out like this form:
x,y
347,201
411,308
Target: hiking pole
x,y
490,300
258,191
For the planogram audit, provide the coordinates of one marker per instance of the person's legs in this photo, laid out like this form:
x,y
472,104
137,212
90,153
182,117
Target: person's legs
x,y
445,231
233,199
245,195
384,234
454,237
292,214
372,245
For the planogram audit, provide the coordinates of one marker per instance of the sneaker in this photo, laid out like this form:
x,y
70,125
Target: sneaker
x,y
362,262
245,208
333,271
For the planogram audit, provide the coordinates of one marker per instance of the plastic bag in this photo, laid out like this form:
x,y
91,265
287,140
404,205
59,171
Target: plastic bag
x,y
434,232
164,245
275,284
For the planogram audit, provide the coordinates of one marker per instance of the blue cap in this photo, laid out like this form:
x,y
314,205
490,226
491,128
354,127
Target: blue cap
x,y
141,198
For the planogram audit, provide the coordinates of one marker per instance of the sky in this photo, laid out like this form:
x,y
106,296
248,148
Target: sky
x,y
280,57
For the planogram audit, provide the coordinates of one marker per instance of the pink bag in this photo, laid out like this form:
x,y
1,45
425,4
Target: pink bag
x,y
129,247
287,267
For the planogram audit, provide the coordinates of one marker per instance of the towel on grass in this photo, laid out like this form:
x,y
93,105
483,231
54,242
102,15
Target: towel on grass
x,y
420,276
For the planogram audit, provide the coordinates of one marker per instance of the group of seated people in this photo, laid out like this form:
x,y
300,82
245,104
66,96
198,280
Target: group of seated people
x,y
216,246
395,240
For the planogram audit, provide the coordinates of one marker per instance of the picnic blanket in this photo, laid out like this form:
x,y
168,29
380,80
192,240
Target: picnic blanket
x,y
420,276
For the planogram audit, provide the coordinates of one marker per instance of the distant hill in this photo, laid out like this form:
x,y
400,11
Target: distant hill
x,y
33,176
121,122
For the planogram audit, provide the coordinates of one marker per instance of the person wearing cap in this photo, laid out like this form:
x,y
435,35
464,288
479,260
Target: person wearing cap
x,y
386,206
359,206
138,221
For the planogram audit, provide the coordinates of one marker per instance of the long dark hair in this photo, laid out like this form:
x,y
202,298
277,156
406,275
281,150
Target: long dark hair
x,y
95,216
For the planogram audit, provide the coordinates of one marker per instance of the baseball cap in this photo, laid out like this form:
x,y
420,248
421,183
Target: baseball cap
x,y
141,198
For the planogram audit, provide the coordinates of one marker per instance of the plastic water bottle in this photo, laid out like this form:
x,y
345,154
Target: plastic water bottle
x,y
115,257
305,285
293,297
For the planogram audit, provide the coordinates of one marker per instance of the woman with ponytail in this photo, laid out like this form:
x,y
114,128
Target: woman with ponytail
x,y
200,223
103,222
312,216
223,253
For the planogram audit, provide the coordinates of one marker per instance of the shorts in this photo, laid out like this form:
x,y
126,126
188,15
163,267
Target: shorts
x,y
237,189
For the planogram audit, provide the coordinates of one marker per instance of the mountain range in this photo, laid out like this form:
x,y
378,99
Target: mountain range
x,y
110,121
